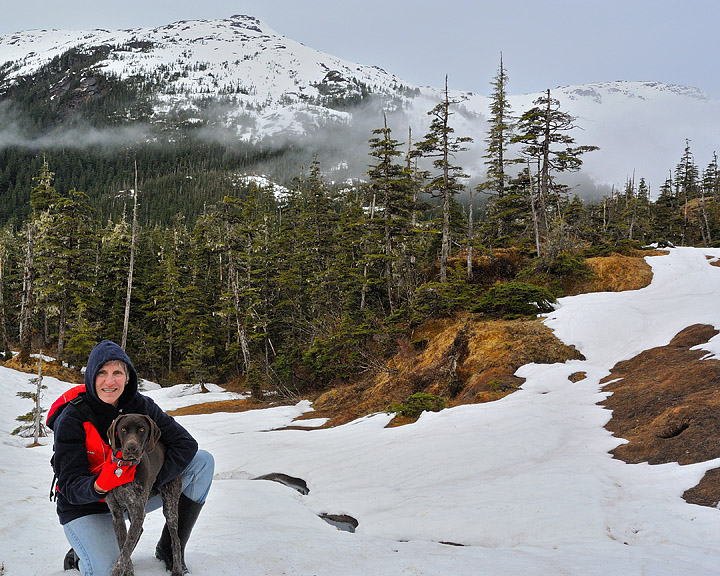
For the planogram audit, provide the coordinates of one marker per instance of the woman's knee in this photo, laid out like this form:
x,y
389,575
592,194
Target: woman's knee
x,y
198,476
93,539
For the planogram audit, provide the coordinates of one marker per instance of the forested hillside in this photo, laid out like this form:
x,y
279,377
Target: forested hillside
x,y
297,291
160,240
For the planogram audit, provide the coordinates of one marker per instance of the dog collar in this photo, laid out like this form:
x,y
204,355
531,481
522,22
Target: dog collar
x,y
123,462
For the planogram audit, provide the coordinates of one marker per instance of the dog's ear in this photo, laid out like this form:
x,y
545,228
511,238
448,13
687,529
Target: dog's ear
x,y
153,434
111,434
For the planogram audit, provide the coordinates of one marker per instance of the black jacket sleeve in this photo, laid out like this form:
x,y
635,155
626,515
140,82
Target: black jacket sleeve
x,y
75,482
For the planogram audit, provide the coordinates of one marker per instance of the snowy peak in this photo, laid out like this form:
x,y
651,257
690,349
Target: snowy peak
x,y
236,55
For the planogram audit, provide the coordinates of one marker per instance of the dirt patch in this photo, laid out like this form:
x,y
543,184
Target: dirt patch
x,y
53,369
614,273
464,359
666,403
239,405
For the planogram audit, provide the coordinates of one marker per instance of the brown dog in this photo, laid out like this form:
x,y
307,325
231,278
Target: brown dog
x,y
138,436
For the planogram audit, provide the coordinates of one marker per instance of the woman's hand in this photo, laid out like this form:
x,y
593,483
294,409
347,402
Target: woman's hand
x,y
111,475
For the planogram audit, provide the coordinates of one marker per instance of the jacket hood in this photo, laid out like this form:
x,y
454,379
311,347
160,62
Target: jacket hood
x,y
103,352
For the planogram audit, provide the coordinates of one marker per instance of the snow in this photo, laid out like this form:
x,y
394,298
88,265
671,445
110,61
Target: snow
x,y
525,484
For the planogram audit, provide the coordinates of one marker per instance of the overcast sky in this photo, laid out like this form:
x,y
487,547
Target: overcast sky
x,y
545,43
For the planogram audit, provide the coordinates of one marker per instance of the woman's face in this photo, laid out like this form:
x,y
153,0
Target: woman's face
x,y
110,382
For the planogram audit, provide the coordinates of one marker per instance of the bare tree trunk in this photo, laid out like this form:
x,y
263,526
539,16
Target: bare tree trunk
x,y
126,320
26,309
241,337
38,411
470,238
3,324
704,213
536,228
445,254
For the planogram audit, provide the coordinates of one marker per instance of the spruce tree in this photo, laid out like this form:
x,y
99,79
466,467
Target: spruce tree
x,y
543,133
63,258
500,134
391,183
687,188
441,144
711,197
163,309
664,213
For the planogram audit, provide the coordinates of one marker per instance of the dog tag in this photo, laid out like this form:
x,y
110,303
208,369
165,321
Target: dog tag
x,y
118,472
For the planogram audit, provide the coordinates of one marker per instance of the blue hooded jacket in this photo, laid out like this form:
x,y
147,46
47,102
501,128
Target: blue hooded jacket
x,y
76,493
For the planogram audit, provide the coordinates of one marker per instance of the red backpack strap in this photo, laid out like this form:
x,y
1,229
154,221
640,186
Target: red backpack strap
x,y
59,405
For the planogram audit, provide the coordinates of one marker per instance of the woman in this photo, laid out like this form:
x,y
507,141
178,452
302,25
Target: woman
x,y
85,472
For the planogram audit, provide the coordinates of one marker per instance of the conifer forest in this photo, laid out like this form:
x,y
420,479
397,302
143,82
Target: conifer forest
x,y
209,278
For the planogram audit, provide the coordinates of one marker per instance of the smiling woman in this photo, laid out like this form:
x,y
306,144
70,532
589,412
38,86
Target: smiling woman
x,y
110,381
87,470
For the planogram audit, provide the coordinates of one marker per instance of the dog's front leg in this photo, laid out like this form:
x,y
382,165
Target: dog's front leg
x,y
123,564
118,520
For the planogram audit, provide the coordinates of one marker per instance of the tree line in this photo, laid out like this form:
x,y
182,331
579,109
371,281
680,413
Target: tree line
x,y
298,290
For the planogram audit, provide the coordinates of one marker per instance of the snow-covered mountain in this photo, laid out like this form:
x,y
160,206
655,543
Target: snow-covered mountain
x,y
262,87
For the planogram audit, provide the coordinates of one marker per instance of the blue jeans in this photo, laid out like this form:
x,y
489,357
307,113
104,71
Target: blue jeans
x,y
93,537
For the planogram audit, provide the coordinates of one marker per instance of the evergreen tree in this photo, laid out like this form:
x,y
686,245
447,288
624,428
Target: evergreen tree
x,y
711,179
391,183
9,259
542,132
667,216
163,309
440,143
110,276
513,210
32,422
711,198
500,134
641,221
63,258
687,189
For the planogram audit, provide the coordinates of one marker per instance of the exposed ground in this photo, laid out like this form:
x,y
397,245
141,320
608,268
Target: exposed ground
x,y
666,403
463,359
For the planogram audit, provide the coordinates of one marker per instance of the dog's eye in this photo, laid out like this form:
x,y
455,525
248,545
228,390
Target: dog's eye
x,y
123,429
142,429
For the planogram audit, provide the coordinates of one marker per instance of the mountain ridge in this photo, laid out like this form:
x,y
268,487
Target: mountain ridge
x,y
266,89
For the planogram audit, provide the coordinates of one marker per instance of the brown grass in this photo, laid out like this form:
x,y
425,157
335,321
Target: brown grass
x,y
667,405
465,359
615,273
53,369
240,405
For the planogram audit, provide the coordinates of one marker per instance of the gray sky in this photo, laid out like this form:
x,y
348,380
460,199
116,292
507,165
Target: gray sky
x,y
545,43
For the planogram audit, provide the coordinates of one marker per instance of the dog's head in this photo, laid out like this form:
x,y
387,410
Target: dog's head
x,y
133,434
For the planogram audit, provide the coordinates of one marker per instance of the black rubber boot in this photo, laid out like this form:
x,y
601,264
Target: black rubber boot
x,y
71,561
188,512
